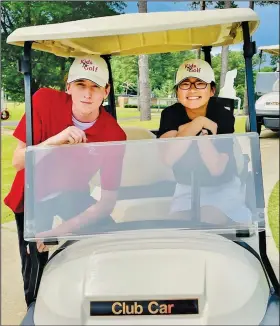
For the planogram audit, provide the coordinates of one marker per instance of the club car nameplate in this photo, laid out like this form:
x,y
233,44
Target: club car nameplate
x,y
151,307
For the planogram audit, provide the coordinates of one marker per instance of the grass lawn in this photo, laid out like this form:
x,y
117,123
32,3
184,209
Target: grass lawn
x,y
240,124
273,213
9,143
154,123
123,113
7,174
16,111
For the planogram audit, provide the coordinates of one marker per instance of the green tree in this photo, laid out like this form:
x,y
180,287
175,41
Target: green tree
x,y
125,70
163,68
221,4
235,61
218,5
162,71
48,70
274,59
225,48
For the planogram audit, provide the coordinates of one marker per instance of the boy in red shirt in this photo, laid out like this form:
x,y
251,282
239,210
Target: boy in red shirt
x,y
72,117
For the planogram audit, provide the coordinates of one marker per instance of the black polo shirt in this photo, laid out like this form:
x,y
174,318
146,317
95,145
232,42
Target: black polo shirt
x,y
174,116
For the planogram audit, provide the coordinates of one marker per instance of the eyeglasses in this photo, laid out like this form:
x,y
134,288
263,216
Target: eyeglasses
x,y
197,84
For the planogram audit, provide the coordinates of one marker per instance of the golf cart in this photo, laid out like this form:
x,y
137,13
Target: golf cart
x,y
5,114
151,267
267,88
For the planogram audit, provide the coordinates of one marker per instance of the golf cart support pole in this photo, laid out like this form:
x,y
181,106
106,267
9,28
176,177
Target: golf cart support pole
x,y
36,269
260,56
207,54
249,49
25,68
111,97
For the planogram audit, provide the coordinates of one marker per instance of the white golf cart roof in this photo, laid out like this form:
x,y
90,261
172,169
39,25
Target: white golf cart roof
x,y
133,34
271,49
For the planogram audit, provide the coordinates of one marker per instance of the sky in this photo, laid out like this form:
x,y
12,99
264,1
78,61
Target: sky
x,y
267,33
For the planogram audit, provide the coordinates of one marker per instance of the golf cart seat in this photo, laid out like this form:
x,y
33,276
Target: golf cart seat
x,y
228,90
227,102
150,190
138,133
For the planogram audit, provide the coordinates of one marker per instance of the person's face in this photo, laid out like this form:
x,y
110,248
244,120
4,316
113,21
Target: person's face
x,y
86,95
194,97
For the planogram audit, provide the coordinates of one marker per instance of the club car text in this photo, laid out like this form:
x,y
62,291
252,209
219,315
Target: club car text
x,y
153,307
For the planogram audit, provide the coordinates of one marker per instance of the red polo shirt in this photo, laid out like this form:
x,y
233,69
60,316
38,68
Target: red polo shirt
x,y
52,113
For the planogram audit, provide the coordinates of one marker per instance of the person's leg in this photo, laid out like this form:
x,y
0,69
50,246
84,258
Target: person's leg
x,y
25,257
81,201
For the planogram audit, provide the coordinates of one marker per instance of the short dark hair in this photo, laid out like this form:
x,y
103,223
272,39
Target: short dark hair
x,y
213,85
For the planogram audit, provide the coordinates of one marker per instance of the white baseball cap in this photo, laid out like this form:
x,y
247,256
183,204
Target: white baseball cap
x,y
196,68
91,67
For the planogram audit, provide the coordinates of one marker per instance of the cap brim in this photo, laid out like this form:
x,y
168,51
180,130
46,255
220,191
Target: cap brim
x,y
194,76
95,80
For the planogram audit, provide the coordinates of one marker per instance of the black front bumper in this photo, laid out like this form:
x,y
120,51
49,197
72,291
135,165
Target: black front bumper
x,y
271,123
269,118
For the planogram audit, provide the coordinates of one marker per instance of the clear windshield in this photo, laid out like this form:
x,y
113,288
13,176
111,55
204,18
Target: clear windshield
x,y
265,82
209,183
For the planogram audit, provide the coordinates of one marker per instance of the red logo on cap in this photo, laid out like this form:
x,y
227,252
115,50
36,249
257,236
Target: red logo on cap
x,y
192,67
88,65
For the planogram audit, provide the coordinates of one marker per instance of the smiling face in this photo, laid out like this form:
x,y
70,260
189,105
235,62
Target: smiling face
x,y
87,97
194,96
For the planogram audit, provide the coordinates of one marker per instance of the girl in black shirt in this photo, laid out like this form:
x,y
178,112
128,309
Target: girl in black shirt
x,y
197,113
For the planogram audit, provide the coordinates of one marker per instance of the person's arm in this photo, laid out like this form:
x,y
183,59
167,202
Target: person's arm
x,y
215,161
38,100
41,101
70,135
100,209
216,158
110,173
18,159
175,151
169,128
112,157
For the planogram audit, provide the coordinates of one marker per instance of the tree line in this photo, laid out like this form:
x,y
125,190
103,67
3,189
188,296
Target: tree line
x,y
50,70
163,67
